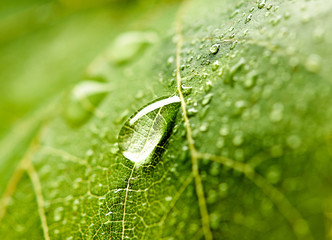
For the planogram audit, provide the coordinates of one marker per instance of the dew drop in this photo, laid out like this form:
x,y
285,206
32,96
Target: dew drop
x,y
261,4
313,63
83,100
208,86
293,141
269,6
248,19
192,111
224,131
128,45
273,174
276,20
58,214
236,12
220,142
233,45
238,139
142,133
215,65
207,99
168,198
223,188
251,9
214,48
251,79
204,127
276,114
318,35
186,90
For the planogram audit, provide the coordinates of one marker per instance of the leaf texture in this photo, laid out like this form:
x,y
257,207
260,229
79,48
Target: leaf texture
x,y
249,144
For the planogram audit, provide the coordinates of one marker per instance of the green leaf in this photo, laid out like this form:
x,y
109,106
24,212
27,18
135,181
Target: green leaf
x,y
247,155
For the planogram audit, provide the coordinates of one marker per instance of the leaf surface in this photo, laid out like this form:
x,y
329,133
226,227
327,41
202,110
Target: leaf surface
x,y
248,156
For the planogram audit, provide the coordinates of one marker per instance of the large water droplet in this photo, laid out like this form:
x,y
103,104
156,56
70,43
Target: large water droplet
x,y
83,99
145,131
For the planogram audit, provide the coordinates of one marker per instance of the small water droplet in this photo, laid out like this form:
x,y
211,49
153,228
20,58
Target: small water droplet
x,y
58,214
168,198
276,114
319,33
239,154
275,21
294,141
220,142
233,45
208,86
203,127
237,67
83,100
170,60
139,94
251,79
273,174
313,63
186,90
142,132
248,19
305,18
238,139
215,65
203,112
240,104
207,99
223,188
220,72
114,148
224,130
236,12
192,111
269,6
128,45
214,48
251,9
287,15
261,4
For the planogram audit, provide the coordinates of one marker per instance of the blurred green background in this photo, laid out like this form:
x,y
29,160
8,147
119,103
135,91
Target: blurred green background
x,y
47,45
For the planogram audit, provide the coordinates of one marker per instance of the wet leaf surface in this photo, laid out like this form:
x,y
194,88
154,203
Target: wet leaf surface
x,y
245,154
